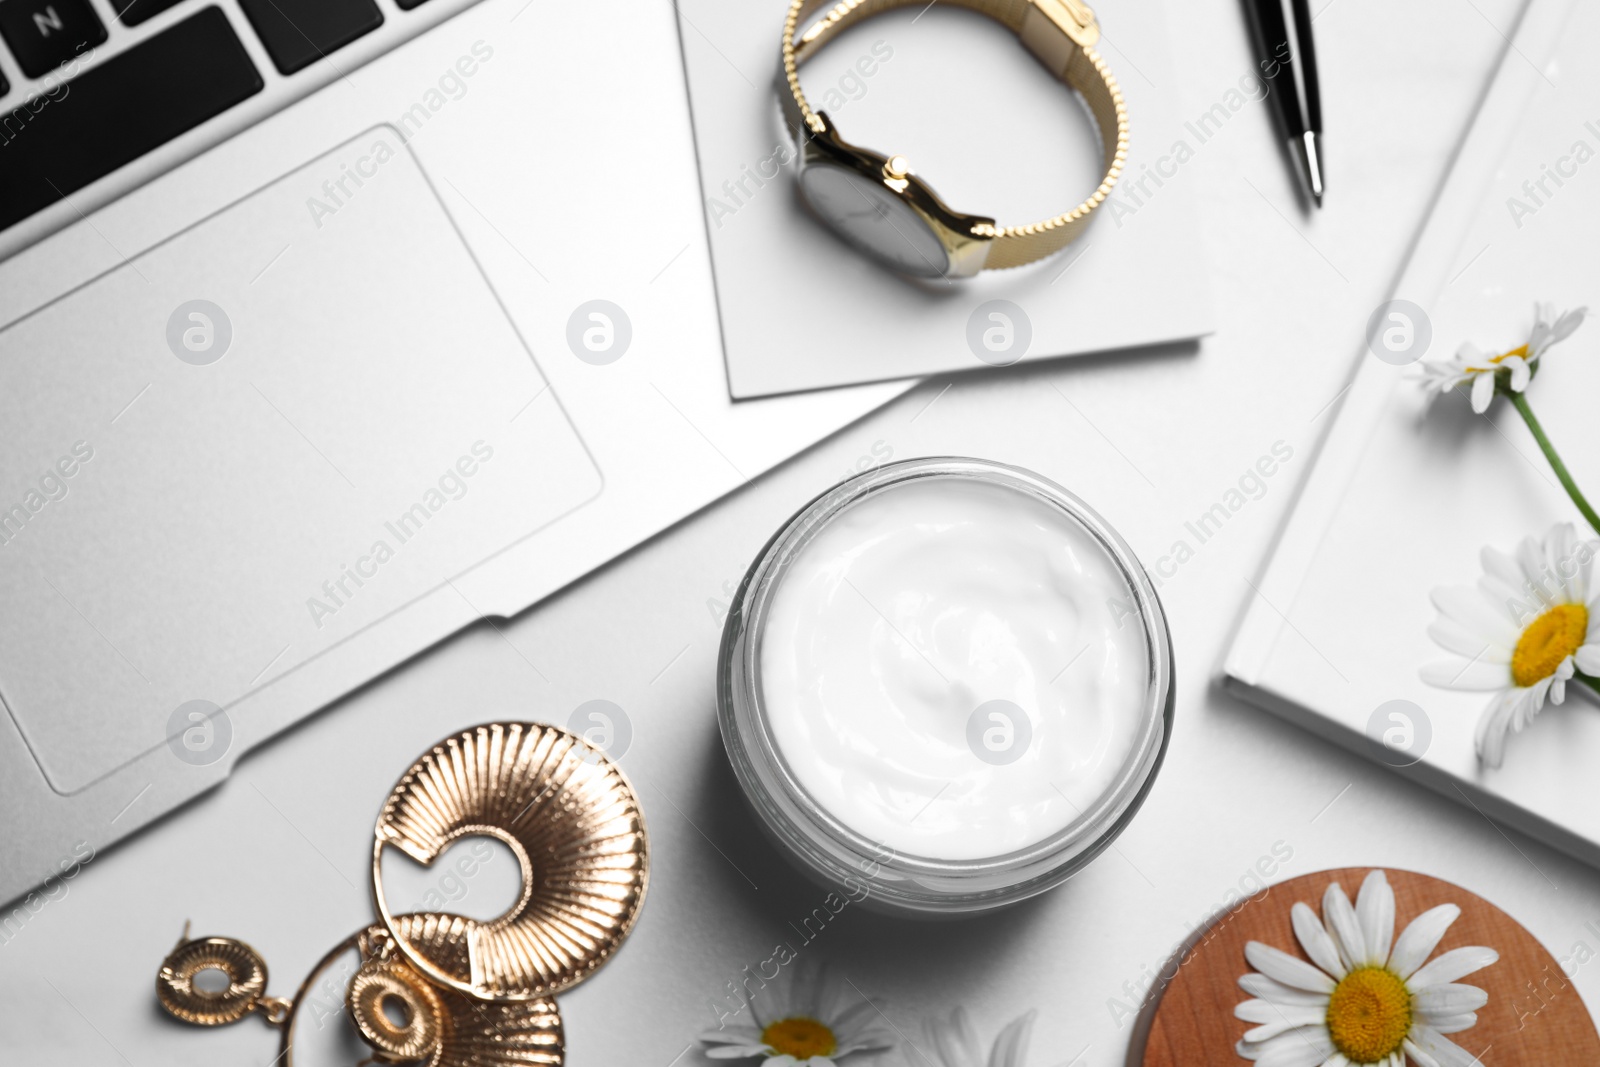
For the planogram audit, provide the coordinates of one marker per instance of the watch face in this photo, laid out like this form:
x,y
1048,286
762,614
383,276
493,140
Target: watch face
x,y
871,217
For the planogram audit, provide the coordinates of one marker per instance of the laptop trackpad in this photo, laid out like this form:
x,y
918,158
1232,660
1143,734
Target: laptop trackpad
x,y
252,442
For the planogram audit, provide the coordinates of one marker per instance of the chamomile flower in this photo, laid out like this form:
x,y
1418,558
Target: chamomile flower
x,y
1526,628
954,1043
807,1020
1367,997
1512,369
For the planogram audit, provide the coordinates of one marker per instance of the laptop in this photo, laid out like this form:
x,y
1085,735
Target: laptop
x,y
327,328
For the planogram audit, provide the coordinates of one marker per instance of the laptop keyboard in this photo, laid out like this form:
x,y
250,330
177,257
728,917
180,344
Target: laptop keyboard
x,y
297,33
88,87
123,108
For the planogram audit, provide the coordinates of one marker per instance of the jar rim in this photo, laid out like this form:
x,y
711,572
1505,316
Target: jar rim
x,y
793,803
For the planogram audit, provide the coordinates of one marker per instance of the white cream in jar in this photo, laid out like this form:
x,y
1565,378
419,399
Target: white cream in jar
x,y
945,685
943,669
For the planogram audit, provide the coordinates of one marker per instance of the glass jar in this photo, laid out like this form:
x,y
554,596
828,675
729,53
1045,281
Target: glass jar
x,y
835,840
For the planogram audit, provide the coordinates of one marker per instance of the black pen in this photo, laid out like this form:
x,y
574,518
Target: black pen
x,y
1289,66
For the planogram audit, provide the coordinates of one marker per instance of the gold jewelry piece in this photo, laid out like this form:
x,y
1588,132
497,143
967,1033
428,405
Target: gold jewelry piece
x,y
445,990
879,205
244,969
573,823
381,984
441,1028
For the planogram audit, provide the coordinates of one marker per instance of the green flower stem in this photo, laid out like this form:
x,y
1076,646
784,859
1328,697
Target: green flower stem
x,y
1587,679
1520,400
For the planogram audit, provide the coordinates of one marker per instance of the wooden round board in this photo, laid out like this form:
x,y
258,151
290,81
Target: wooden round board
x,y
1534,1015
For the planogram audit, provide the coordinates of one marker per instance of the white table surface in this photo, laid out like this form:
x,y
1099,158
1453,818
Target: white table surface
x,y
278,854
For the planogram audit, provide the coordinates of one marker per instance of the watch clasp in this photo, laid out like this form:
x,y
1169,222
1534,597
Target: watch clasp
x,y
1057,32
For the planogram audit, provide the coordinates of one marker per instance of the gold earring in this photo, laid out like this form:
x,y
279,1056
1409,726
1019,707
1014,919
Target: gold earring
x,y
572,820
244,969
439,1027
384,983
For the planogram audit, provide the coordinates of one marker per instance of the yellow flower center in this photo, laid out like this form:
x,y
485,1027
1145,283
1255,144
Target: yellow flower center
x,y
1548,640
1494,361
1369,1014
799,1037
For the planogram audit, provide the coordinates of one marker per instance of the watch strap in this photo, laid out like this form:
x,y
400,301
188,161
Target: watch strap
x,y
1062,33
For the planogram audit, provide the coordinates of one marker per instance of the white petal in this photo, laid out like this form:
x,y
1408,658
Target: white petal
x,y
1501,565
1528,703
1457,963
1520,605
1454,637
1282,967
1012,1044
856,1020
1448,999
1343,925
1559,546
1261,1012
735,1052
1259,985
732,1035
1419,1055
1454,1024
1255,1011
1588,657
1519,372
1440,1050
1531,558
1306,1047
954,1042
1418,940
1468,606
1578,570
1468,675
1482,392
1375,910
1531,704
1495,723
1313,937
1281,1020
1563,326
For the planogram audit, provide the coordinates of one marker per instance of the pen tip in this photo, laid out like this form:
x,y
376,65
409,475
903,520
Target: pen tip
x,y
1311,158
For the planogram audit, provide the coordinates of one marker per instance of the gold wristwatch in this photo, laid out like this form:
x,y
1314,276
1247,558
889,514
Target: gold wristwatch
x,y
877,204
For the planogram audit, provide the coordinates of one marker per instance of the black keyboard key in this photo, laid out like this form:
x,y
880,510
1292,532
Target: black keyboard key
x,y
407,5
43,34
5,87
297,33
118,111
133,12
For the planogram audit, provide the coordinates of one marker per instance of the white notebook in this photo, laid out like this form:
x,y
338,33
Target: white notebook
x,y
1401,501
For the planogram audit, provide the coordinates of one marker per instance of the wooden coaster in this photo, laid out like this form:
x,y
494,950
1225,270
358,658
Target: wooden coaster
x,y
1534,1015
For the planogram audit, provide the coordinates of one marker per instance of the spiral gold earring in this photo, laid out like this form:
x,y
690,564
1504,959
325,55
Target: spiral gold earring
x,y
574,824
